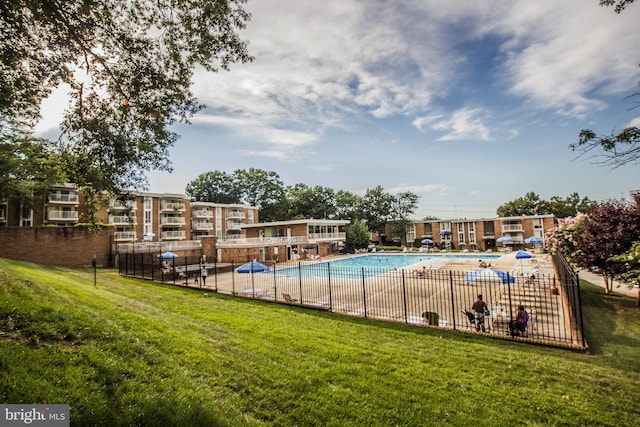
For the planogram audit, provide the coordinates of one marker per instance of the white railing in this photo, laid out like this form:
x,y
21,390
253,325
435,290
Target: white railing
x,y
172,220
511,227
267,241
234,226
62,215
122,219
116,205
327,236
201,225
159,246
168,206
236,215
171,235
63,198
124,236
201,213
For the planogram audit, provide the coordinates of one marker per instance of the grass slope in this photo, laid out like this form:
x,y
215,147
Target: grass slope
x,y
131,352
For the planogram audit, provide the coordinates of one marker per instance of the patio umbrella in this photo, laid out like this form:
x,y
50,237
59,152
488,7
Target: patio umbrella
x,y
522,255
427,242
533,239
488,275
504,239
167,255
310,247
445,233
252,267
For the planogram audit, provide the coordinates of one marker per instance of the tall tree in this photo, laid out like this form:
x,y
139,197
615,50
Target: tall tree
x,y
129,66
347,205
306,202
214,186
357,236
530,204
403,206
263,189
569,206
375,209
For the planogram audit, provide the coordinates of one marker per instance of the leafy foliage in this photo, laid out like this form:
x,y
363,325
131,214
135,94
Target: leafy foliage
x,y
614,150
532,204
607,230
619,4
357,236
129,67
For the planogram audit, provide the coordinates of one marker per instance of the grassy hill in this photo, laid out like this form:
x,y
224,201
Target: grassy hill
x,y
132,352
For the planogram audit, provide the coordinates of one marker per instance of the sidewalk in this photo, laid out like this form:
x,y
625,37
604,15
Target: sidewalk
x,y
618,287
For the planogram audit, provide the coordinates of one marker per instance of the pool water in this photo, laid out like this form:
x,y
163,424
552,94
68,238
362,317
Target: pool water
x,y
369,265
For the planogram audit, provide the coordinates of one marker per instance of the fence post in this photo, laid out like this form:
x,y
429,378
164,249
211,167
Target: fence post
x,y
300,277
215,274
453,303
579,311
404,296
330,291
364,294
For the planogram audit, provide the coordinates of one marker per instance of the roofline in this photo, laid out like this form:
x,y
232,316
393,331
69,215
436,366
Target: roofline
x,y
497,218
299,221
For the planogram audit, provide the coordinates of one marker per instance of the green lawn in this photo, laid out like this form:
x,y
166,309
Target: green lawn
x,y
133,352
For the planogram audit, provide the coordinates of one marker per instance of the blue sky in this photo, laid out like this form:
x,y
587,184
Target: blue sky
x,y
468,104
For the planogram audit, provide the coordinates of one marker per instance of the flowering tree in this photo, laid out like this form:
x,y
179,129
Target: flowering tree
x,y
607,230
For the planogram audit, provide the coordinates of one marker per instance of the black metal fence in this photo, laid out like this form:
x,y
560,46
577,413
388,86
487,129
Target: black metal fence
x,y
438,297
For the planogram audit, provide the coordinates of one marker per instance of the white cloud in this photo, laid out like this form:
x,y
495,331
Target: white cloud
x,y
635,122
418,189
466,123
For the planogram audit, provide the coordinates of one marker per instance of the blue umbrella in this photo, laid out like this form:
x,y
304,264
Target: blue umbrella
x,y
445,233
533,239
522,255
504,239
488,275
252,267
427,241
167,255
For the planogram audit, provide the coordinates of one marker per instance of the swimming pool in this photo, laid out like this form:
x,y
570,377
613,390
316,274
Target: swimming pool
x,y
369,265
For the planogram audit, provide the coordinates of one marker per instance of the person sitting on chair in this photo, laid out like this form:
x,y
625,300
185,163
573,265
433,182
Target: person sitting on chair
x,y
479,307
482,264
519,325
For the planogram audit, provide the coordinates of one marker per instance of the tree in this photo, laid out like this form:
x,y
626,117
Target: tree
x,y
129,66
27,166
403,206
611,150
347,205
530,204
375,209
357,236
631,262
306,202
569,206
214,186
620,4
264,190
607,230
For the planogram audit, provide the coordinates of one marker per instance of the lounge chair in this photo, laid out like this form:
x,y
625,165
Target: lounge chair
x,y
287,298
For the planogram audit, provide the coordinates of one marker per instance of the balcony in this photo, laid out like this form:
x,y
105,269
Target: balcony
x,y
56,215
63,198
260,241
236,215
124,236
172,206
327,236
201,213
122,220
172,221
511,228
201,226
118,205
234,226
173,235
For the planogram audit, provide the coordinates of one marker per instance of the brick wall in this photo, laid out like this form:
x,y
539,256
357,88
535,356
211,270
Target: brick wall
x,y
61,246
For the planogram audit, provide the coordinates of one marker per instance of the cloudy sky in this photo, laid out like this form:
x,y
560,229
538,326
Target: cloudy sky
x,y
468,104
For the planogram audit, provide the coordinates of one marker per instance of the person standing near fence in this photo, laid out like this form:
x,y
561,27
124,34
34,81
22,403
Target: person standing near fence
x,y
479,307
203,275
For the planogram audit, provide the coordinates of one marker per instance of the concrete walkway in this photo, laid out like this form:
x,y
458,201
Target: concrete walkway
x,y
618,287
